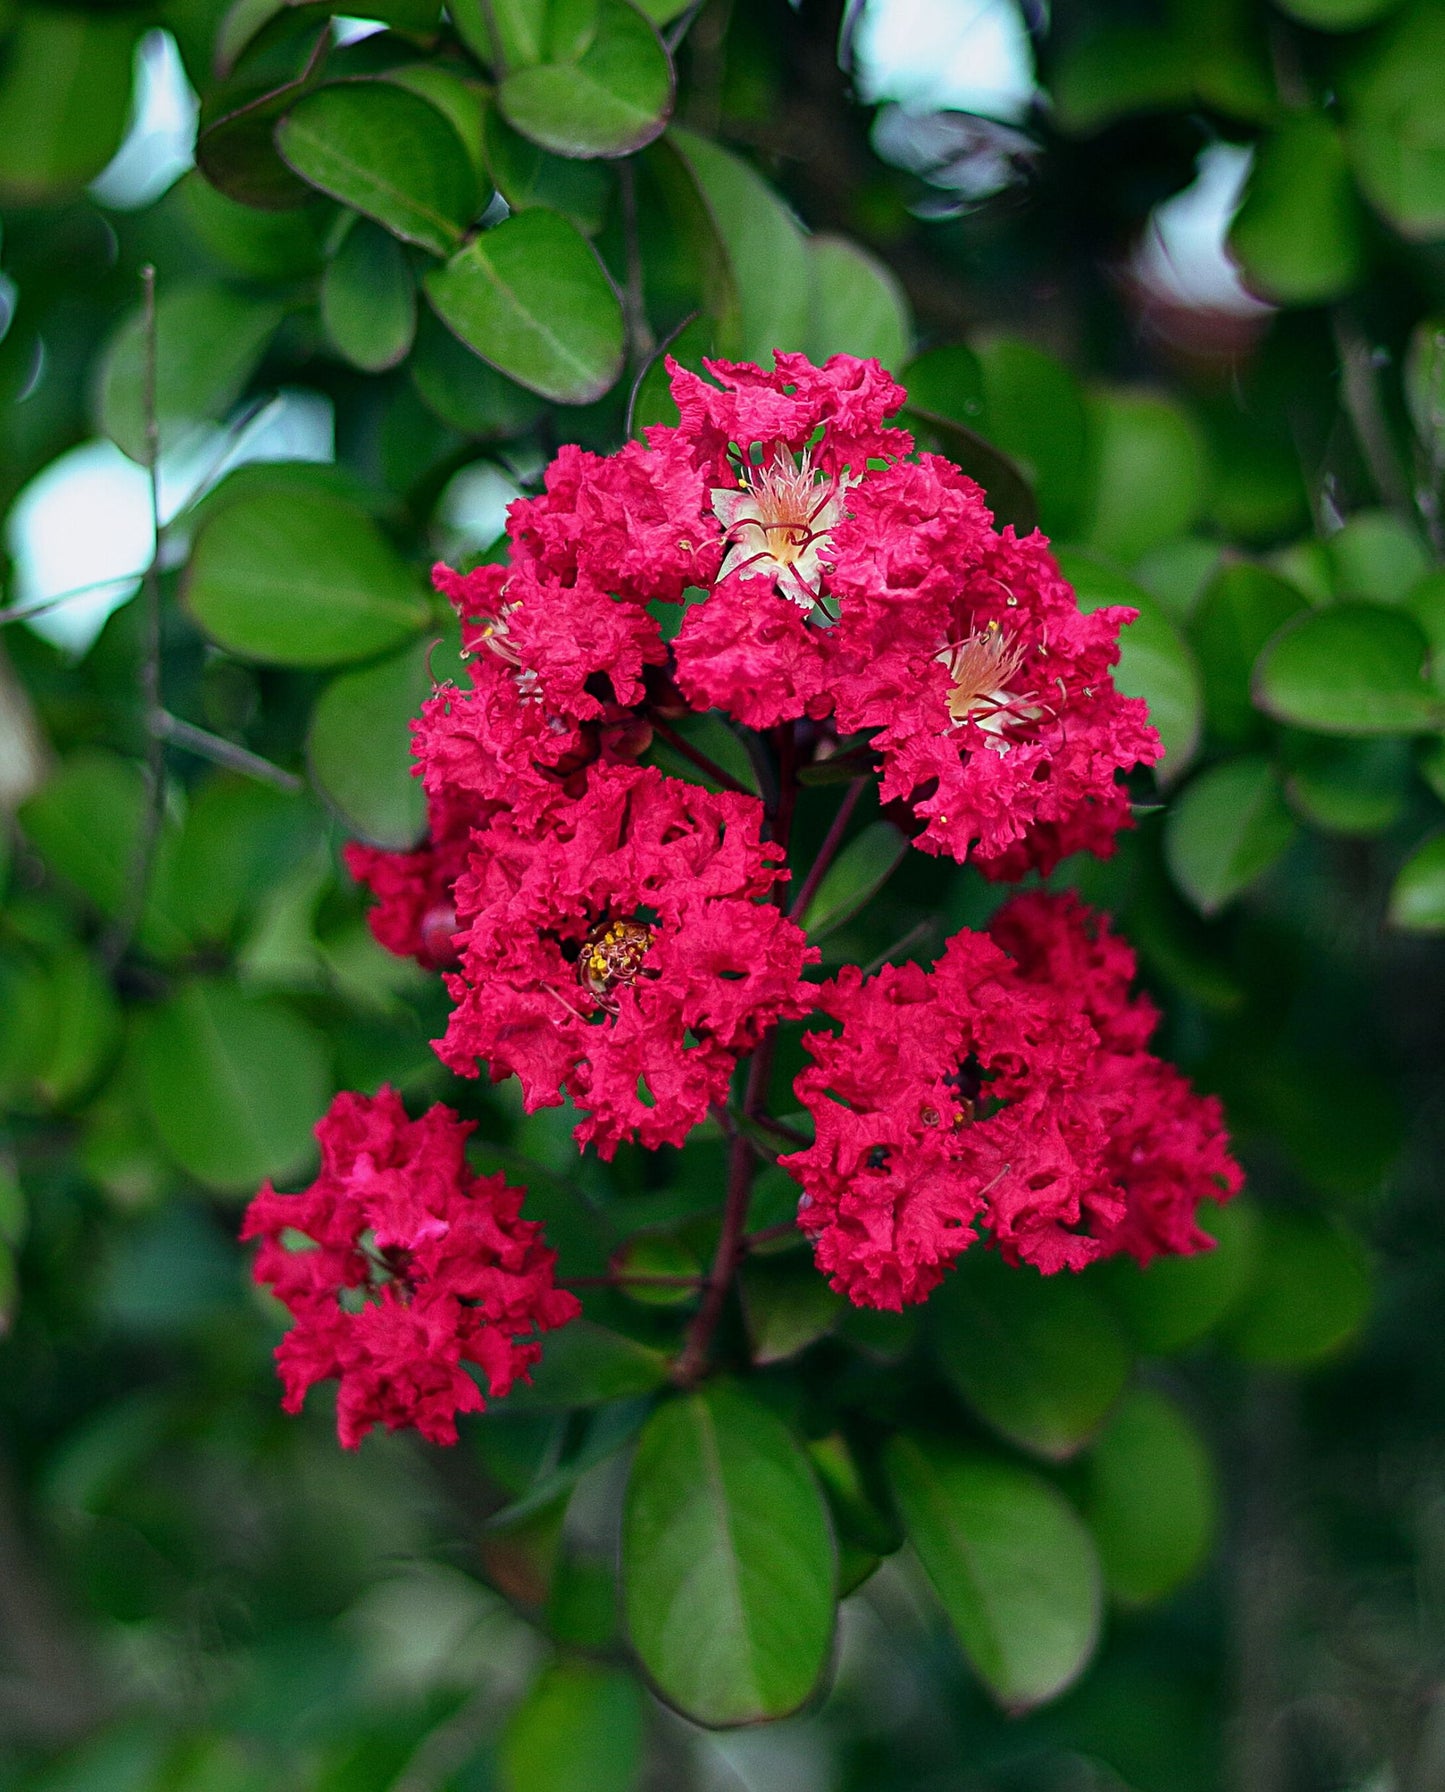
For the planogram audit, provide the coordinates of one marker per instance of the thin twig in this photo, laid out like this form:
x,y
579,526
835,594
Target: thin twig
x,y
22,612
639,333
630,1281
224,752
911,938
128,916
766,1234
780,1129
1367,414
680,744
832,840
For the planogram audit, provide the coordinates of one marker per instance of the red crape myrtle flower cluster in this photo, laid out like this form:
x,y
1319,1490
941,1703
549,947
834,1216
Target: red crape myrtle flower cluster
x,y
611,934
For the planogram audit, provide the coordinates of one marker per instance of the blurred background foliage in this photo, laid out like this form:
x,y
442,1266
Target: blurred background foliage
x,y
1169,279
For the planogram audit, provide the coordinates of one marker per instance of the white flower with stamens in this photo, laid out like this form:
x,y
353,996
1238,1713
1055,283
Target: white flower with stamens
x,y
982,668
777,523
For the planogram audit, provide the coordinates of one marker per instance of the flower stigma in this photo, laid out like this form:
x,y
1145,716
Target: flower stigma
x,y
777,523
981,668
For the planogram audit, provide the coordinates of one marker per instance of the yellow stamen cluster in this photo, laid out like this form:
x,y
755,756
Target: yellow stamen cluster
x,y
612,955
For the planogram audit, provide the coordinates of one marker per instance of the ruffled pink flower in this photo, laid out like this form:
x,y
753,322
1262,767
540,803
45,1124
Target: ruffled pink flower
x,y
948,1101
398,1267
1167,1147
782,451
623,948
990,691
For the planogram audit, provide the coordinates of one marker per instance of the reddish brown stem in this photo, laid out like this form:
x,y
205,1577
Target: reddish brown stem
x,y
680,744
827,852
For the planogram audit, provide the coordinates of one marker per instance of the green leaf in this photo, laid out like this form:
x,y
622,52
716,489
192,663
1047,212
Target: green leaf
x,y
259,245
299,578
233,1084
858,306
1425,388
240,840
1243,607
587,1365
368,299
1175,1301
209,340
358,745
1310,1296
236,149
729,1570
1011,1561
460,388
658,1254
1034,410
763,250
610,99
579,1729
1376,557
1417,896
1396,109
64,95
1004,485
1151,1501
532,298
86,822
1040,1360
1355,669
527,176
948,382
786,1306
1151,472
1357,787
387,153
1227,829
1299,235
460,99
855,877
1155,661
1337,15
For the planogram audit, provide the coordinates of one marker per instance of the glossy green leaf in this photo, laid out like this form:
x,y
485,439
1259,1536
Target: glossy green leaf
x,y
579,1729
1310,1295
787,1306
1151,1500
1396,131
359,743
233,1084
388,154
1355,669
1151,472
461,100
855,877
86,821
587,1365
858,306
64,93
1155,661
299,578
1417,896
209,340
236,149
531,297
461,389
1175,1301
1242,608
765,253
368,299
612,98
1228,828
527,176
1041,1360
1299,235
1011,1561
729,1570
1034,410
